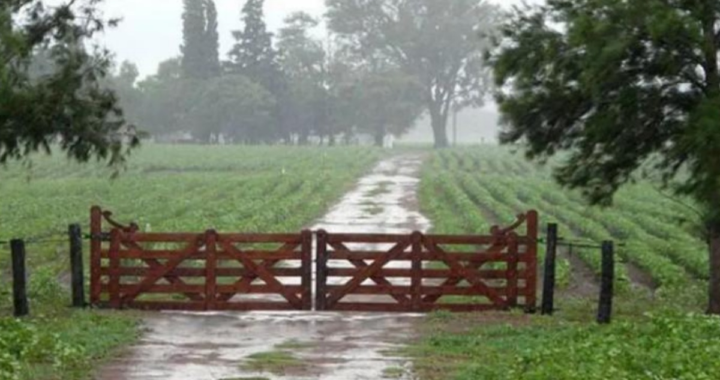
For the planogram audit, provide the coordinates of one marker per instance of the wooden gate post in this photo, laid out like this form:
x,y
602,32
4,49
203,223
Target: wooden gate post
x,y
211,238
416,271
95,258
531,263
20,300
606,285
306,265
321,271
548,294
76,266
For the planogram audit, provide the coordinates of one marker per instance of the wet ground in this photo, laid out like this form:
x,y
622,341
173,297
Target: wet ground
x,y
292,345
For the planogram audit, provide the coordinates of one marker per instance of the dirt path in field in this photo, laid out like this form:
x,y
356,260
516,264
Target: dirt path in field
x,y
292,345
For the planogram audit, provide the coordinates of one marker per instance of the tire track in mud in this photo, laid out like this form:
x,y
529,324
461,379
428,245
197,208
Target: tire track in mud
x,y
292,345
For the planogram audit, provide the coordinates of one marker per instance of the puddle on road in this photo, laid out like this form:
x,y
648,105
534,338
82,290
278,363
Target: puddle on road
x,y
352,346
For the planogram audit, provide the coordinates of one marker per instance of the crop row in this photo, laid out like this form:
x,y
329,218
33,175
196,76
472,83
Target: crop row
x,y
496,184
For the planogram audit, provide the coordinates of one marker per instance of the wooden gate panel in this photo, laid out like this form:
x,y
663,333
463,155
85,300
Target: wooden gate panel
x,y
208,271
423,273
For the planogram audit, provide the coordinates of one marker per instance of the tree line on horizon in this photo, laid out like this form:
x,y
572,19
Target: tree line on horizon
x,y
383,65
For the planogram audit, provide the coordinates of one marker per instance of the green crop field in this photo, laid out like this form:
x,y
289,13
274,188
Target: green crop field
x,y
469,190
658,331
661,275
163,188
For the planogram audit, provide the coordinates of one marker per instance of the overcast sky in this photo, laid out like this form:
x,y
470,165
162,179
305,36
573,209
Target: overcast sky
x,y
151,30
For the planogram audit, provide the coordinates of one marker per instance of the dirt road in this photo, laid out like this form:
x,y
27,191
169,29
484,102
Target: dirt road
x,y
292,345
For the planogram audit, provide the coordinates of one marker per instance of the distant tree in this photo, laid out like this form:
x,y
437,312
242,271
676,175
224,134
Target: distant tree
x,y
390,104
440,43
302,60
66,98
167,98
130,97
253,54
200,56
193,51
212,39
254,57
617,85
233,106
345,115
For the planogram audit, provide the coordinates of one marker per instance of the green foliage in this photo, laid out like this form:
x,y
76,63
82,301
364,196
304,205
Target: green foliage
x,y
664,346
468,190
180,188
165,188
62,99
438,44
254,57
166,97
200,55
302,60
253,54
618,85
62,346
394,100
234,106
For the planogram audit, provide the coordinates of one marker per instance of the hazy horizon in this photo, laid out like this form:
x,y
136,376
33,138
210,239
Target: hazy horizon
x,y
151,31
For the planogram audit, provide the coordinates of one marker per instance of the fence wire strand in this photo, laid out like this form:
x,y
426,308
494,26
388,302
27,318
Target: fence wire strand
x,y
50,237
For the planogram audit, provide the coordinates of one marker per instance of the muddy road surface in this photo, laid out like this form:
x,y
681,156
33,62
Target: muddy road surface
x,y
292,345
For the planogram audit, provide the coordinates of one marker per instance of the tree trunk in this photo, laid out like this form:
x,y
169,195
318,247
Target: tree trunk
x,y
379,139
714,283
439,126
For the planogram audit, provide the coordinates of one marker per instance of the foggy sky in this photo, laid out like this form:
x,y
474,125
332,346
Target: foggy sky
x,y
151,30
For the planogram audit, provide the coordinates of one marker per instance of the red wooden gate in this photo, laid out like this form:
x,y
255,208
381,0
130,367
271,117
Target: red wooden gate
x,y
365,272
419,273
207,271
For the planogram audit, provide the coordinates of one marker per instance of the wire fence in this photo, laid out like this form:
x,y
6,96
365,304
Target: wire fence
x,y
49,237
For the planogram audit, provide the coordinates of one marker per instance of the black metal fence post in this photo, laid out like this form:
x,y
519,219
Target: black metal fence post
x,y
606,284
76,266
548,294
20,300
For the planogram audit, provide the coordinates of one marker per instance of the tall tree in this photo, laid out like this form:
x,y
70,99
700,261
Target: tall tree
x,y
67,101
193,49
212,39
302,60
200,56
440,43
254,57
618,84
253,54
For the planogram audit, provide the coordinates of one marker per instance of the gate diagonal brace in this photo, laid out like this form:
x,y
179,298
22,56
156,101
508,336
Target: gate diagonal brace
x,y
262,273
455,280
243,284
360,264
154,264
335,296
163,271
467,273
